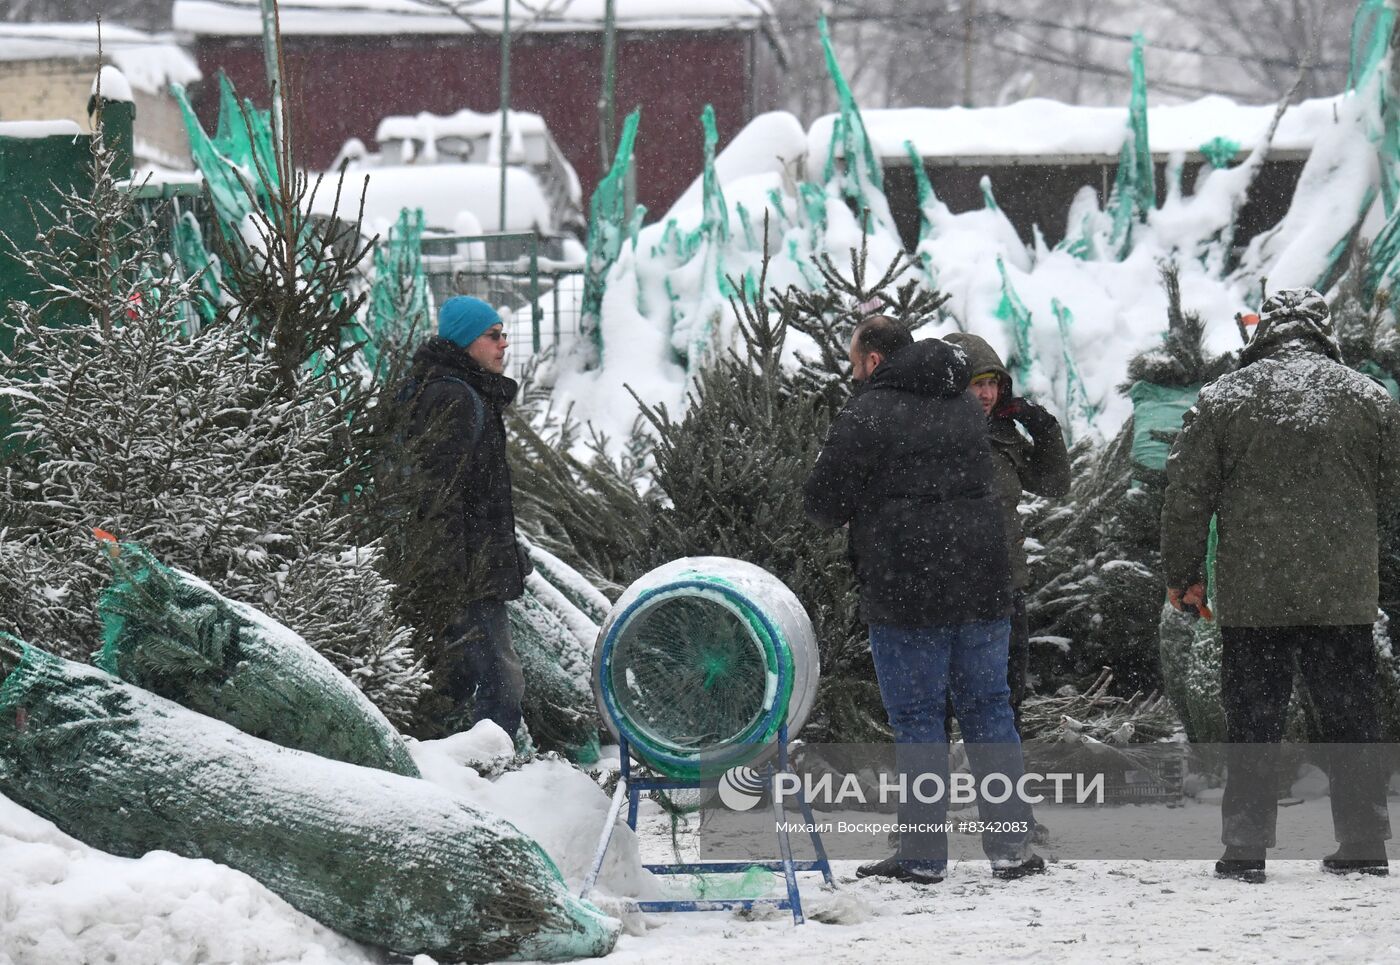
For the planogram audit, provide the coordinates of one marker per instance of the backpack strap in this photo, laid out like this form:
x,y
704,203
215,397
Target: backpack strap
x,y
479,421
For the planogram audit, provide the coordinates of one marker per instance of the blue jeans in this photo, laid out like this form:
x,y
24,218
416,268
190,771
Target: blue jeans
x,y
918,668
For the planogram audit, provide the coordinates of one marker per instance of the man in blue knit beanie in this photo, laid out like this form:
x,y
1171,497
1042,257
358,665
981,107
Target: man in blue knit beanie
x,y
463,530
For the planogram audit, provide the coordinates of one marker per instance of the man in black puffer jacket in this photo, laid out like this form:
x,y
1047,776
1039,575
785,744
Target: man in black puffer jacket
x,y
464,523
907,467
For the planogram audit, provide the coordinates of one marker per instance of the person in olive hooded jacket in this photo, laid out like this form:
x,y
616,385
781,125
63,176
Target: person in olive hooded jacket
x,y
1037,465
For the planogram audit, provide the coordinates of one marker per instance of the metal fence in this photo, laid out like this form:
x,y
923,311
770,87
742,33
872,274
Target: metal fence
x,y
522,274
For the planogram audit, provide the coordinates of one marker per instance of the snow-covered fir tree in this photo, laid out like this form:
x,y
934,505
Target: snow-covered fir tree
x,y
220,457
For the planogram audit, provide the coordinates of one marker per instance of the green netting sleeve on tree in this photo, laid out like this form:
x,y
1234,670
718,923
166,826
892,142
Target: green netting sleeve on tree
x,y
240,153
1135,186
1078,408
1219,152
929,209
195,258
989,200
608,224
1371,65
862,181
694,315
174,635
1157,409
398,298
393,861
1017,319
558,705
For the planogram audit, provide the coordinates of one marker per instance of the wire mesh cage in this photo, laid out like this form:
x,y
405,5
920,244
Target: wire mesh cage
x,y
701,663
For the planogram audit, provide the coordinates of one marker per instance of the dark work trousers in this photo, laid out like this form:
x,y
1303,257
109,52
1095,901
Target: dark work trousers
x,y
482,665
1017,662
1338,667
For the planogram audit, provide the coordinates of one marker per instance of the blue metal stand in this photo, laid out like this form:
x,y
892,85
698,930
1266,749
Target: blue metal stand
x,y
631,790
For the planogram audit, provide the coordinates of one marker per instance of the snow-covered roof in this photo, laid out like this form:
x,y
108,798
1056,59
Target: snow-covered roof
x,y
464,123
31,129
150,62
1045,128
445,192
319,17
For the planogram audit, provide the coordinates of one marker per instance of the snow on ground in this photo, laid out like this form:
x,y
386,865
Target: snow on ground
x,y
1078,911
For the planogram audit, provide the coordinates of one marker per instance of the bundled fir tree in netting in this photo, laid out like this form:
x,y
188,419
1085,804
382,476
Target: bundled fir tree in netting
x,y
732,470
224,459
589,511
1096,580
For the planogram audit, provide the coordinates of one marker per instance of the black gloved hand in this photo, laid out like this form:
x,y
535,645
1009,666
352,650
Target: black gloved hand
x,y
1036,418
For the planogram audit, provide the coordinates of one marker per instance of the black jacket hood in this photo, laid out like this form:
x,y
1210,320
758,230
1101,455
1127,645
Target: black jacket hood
x,y
438,357
930,366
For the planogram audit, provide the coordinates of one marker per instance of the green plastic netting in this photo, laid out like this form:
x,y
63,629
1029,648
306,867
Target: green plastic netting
x,y
1135,186
609,222
1076,402
174,635
236,160
1017,319
928,202
194,257
398,298
1157,409
388,860
689,673
860,180
1219,152
558,702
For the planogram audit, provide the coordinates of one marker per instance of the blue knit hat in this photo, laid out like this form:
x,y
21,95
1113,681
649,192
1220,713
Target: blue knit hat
x,y
463,319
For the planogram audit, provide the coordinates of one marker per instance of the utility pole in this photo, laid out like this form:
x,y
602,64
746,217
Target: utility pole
x,y
607,102
505,102
969,15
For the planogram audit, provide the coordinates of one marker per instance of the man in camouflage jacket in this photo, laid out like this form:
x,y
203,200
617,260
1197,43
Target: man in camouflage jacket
x,y
1297,457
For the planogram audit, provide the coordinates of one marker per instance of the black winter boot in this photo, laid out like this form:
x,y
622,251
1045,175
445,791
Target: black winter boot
x,y
1241,864
916,872
1366,857
1011,870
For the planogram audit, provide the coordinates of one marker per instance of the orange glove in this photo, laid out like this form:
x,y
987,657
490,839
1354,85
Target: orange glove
x,y
1191,600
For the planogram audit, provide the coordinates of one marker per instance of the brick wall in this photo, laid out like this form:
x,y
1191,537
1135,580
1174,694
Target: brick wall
x,y
58,89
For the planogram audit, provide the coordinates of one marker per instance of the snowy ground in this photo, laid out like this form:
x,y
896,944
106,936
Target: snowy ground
x,y
1124,911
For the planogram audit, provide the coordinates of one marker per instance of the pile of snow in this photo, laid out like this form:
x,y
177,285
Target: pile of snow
x,y
151,62
1094,302
327,17
112,84
63,902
